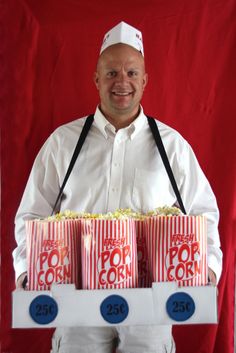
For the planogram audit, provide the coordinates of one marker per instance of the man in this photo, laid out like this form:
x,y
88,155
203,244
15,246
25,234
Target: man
x,y
119,166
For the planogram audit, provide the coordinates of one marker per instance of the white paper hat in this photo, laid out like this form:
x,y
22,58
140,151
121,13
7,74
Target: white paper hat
x,y
123,33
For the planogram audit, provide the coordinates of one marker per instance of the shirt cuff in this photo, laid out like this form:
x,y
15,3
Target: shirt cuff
x,y
215,265
20,268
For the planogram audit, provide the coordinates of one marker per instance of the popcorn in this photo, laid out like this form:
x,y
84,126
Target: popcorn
x,y
121,213
109,253
67,214
177,248
120,249
52,252
165,211
144,278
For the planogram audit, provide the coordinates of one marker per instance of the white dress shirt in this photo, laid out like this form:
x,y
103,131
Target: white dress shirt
x,y
116,170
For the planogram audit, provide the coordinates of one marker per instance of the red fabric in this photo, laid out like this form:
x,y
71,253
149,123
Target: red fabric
x,y
48,54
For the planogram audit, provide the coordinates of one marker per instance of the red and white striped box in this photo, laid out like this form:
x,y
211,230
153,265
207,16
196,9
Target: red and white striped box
x,y
53,252
144,278
109,253
177,249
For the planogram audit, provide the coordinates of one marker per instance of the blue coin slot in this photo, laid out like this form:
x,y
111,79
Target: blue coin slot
x,y
180,306
43,309
114,309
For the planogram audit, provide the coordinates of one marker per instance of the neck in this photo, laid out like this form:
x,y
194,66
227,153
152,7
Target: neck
x,y
120,121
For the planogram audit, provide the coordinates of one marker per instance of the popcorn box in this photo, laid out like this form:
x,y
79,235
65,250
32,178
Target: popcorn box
x,y
144,279
177,249
109,254
53,252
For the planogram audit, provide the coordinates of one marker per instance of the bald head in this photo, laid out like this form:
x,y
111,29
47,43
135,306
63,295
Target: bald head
x,y
116,50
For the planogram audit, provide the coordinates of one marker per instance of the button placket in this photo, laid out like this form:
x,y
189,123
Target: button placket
x,y
116,172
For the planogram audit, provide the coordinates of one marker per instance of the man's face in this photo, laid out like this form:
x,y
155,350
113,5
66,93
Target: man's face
x,y
120,79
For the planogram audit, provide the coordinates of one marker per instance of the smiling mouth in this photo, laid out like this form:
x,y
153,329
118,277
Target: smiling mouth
x,y
122,94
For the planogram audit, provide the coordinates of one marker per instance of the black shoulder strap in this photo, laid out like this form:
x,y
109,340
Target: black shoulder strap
x,y
82,137
157,137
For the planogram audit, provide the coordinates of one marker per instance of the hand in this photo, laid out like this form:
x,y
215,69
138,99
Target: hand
x,y
21,282
211,277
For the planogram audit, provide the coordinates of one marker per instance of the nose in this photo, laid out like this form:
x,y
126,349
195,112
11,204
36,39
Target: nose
x,y
122,76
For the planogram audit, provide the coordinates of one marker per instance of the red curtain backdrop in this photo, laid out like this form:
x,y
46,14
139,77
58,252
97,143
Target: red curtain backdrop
x,y
48,53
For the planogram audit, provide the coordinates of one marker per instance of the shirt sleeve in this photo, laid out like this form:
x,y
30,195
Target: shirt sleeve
x,y
38,199
199,198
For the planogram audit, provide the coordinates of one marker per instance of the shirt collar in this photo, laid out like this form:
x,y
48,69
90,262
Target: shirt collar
x,y
133,129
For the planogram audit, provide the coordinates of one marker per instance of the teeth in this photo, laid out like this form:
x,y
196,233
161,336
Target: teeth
x,y
121,93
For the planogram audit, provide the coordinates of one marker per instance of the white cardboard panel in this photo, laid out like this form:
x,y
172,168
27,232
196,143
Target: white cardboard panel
x,y
146,305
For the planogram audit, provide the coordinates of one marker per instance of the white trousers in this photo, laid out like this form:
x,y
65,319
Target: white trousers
x,y
120,339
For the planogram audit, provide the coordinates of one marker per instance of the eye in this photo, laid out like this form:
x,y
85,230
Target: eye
x,y
132,73
111,74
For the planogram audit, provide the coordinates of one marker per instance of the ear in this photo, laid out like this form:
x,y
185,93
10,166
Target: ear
x,y
145,80
96,79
